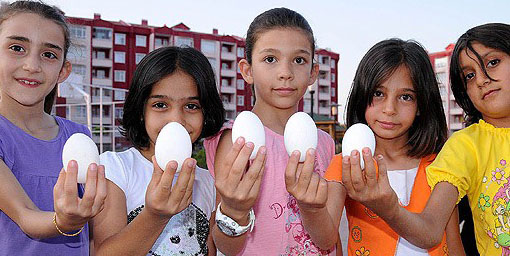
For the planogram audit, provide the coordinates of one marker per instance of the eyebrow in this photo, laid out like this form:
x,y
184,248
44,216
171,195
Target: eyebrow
x,y
159,96
271,50
475,59
24,39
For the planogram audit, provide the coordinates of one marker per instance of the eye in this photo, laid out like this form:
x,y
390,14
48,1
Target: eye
x,y
192,106
493,63
159,105
269,59
50,55
300,60
469,76
407,97
17,48
378,94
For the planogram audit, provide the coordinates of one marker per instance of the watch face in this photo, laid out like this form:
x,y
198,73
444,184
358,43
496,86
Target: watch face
x,y
226,227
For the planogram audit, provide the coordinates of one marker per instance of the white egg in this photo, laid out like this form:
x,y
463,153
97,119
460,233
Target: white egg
x,y
83,150
300,134
357,137
173,143
249,126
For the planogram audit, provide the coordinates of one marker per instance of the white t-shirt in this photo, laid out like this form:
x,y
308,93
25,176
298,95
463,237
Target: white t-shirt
x,y
186,233
402,182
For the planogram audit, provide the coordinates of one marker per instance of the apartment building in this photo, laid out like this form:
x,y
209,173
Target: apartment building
x,y
105,53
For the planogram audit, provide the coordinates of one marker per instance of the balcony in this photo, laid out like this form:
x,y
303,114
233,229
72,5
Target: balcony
x,y
228,89
456,111
102,81
324,82
324,96
107,120
105,98
102,43
456,126
228,55
102,63
229,106
324,67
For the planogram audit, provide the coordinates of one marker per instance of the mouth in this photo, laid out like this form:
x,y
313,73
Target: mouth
x,y
284,91
490,93
386,124
31,83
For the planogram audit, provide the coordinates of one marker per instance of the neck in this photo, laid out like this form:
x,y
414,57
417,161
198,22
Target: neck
x,y
272,117
503,122
148,152
29,118
395,155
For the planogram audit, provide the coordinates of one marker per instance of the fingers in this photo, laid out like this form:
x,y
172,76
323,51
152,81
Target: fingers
x,y
101,190
370,171
290,171
183,182
383,169
250,183
230,158
357,179
157,173
164,187
346,173
305,177
87,200
239,166
70,185
59,186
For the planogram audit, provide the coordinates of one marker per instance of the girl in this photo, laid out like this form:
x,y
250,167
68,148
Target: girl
x,y
395,93
472,161
279,64
143,213
41,213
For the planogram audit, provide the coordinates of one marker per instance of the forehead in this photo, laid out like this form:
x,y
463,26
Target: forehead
x,y
177,85
467,57
400,79
280,38
34,27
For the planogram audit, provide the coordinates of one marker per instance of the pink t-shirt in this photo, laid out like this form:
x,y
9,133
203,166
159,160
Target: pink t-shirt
x,y
278,227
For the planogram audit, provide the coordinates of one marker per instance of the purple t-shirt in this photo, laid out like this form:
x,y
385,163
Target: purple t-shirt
x,y
36,164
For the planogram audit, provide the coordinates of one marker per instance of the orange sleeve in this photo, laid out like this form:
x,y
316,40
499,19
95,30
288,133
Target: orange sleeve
x,y
334,171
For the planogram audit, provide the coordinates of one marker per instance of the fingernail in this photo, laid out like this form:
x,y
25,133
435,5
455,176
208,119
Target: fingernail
x,y
311,151
240,140
346,159
262,150
173,164
93,167
380,157
192,163
366,151
250,145
73,163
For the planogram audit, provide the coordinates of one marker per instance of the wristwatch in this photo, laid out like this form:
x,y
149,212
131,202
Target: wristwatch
x,y
230,227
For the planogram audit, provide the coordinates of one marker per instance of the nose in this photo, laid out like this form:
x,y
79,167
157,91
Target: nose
x,y
32,63
482,79
285,72
389,107
176,115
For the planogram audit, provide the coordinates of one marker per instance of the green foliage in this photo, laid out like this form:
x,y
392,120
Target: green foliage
x,y
200,157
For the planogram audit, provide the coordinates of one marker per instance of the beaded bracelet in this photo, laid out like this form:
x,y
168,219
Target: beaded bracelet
x,y
60,231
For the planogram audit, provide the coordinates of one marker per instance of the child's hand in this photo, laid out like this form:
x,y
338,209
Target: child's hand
x,y
239,188
365,187
309,189
164,200
72,212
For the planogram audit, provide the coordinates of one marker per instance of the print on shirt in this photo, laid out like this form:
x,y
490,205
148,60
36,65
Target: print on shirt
x,y
185,234
499,206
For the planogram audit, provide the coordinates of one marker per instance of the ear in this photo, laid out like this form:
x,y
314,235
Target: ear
x,y
314,73
64,72
246,71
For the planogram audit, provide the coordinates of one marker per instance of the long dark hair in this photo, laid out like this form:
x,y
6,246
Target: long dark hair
x,y
428,132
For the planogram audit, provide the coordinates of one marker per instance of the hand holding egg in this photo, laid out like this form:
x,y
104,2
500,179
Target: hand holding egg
x,y
300,134
357,137
173,143
83,150
249,126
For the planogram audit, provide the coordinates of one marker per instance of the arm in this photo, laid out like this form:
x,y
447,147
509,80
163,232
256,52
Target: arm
x,y
453,240
320,203
237,187
375,192
211,247
72,212
112,234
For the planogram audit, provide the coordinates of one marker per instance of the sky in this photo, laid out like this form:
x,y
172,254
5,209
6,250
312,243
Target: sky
x,y
349,28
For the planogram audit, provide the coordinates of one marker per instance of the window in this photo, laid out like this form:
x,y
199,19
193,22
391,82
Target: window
x,y
139,57
183,41
120,39
240,84
76,53
79,70
240,52
332,63
441,62
333,92
101,54
161,41
120,95
119,76
323,74
80,111
141,41
120,57
240,100
100,73
102,33
226,48
208,47
213,62
119,112
333,78
77,31
225,82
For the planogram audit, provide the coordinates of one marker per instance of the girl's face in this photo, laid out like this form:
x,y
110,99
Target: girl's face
x,y
394,106
491,98
32,58
281,67
173,99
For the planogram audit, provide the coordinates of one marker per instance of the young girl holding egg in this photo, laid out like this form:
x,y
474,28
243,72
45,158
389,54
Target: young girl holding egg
x,y
264,205
148,210
40,211
472,162
396,94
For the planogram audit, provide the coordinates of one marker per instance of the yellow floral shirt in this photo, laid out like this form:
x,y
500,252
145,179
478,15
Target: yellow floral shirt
x,y
476,161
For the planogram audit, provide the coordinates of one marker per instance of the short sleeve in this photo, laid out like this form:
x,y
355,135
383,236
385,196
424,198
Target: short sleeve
x,y
115,170
334,170
211,144
454,164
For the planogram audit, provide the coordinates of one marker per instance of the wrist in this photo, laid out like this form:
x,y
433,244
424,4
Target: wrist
x,y
230,227
240,216
66,230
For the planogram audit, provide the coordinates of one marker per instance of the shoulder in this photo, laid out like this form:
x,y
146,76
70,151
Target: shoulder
x,y
69,127
118,164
